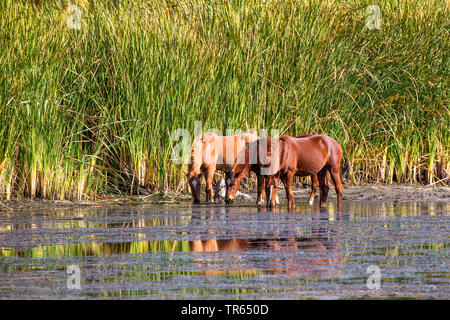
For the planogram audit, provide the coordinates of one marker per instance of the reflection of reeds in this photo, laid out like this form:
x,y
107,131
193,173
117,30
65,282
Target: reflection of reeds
x,y
392,209
99,249
84,112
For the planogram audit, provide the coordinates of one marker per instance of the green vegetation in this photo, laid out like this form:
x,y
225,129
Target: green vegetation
x,y
89,112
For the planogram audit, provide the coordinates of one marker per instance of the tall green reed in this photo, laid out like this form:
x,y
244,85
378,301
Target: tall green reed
x,y
89,112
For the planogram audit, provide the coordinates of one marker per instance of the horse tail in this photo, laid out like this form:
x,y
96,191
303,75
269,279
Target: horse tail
x,y
346,167
196,158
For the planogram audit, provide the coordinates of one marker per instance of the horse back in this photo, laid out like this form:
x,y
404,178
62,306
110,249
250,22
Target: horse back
x,y
308,154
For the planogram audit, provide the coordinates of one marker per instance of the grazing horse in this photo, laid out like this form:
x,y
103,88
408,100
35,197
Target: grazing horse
x,y
300,157
292,156
210,153
240,170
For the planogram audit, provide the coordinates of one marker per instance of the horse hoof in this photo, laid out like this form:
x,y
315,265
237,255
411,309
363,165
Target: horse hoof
x,y
227,201
196,201
209,201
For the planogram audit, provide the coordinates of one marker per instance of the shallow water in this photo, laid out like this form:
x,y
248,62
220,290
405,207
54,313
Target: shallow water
x,y
220,252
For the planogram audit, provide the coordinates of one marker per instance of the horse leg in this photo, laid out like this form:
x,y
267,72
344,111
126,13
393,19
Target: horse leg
x,y
261,189
288,180
271,192
335,177
196,246
209,174
324,187
314,186
210,245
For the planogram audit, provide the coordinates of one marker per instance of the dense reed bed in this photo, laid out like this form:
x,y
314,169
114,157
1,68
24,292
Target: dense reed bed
x,y
90,112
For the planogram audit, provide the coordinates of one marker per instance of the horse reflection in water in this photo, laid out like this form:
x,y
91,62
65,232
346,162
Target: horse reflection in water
x,y
317,255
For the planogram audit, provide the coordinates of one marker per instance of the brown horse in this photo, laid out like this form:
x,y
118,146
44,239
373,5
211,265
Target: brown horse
x,y
240,170
210,153
291,157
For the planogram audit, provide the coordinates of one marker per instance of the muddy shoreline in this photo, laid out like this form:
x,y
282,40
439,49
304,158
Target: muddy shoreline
x,y
370,192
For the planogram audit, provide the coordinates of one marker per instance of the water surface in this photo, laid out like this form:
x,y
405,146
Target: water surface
x,y
226,252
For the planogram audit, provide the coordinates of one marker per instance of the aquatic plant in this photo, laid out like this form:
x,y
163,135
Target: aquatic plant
x,y
89,97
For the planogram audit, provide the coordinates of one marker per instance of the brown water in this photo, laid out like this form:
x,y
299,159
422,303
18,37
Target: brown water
x,y
219,252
